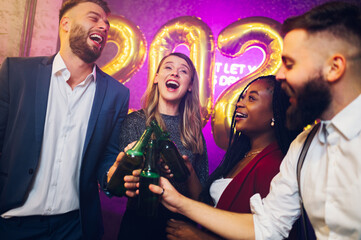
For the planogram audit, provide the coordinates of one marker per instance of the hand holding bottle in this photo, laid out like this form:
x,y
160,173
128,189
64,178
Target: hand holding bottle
x,y
170,154
167,172
119,158
164,169
170,197
179,230
126,163
132,183
114,166
130,146
188,164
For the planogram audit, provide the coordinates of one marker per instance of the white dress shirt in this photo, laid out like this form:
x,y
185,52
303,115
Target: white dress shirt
x,y
330,183
56,186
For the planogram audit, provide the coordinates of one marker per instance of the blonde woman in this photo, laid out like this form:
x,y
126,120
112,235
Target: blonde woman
x,y
172,99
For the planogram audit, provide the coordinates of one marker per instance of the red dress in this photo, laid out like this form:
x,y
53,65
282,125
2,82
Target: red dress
x,y
254,178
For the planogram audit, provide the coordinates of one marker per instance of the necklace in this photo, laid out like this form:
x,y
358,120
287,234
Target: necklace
x,y
249,154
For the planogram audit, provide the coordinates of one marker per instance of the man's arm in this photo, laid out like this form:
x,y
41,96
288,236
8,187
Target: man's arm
x,y
226,224
112,149
4,100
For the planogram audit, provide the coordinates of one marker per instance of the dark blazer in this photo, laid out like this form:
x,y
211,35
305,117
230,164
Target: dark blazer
x,y
24,87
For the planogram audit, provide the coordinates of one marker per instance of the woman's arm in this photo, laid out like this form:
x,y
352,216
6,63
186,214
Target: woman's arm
x,y
179,230
193,183
226,224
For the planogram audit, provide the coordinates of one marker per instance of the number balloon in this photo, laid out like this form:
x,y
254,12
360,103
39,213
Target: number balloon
x,y
132,48
233,41
198,37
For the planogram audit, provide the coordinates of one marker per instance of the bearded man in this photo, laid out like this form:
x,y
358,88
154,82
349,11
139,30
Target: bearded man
x,y
59,123
321,73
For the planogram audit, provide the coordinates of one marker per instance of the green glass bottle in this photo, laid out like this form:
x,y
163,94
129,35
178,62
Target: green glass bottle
x,y
148,201
132,160
170,154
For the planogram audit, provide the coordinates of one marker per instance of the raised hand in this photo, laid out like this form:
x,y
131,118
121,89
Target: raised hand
x,y
164,169
132,183
114,166
129,146
117,160
171,198
179,230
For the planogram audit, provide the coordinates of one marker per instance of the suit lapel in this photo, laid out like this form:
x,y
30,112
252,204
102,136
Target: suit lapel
x,y
41,97
101,87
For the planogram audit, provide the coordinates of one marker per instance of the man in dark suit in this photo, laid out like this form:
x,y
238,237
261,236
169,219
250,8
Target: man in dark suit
x,y
59,125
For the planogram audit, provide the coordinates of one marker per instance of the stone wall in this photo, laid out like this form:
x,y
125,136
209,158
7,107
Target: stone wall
x,y
11,18
46,25
45,29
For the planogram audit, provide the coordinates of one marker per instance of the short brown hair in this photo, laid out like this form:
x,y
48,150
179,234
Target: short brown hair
x,y
342,20
69,4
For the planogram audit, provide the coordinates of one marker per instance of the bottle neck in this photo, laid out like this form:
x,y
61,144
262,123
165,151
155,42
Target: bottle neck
x,y
151,157
139,147
159,133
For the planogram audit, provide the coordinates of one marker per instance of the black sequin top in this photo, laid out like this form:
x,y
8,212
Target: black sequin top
x,y
134,126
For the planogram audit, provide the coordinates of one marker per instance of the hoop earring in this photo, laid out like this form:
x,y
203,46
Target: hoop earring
x,y
272,122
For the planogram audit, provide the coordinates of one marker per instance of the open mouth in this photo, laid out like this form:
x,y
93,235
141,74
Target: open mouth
x,y
240,115
96,38
171,84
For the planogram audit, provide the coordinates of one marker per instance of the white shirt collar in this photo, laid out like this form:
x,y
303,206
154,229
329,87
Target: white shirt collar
x,y
347,121
59,67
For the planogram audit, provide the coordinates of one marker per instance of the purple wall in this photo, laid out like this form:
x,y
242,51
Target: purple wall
x,y
150,15
217,14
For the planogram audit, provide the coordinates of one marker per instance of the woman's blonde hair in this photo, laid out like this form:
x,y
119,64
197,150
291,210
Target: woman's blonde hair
x,y
189,108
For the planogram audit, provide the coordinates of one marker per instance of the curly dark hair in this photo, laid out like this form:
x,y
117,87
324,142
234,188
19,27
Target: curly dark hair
x,y
239,144
72,3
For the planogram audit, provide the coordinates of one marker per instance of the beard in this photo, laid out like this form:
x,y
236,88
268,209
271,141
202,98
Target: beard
x,y
80,47
311,101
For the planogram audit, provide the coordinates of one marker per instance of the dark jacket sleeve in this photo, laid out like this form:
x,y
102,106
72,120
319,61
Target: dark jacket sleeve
x,y
4,101
112,147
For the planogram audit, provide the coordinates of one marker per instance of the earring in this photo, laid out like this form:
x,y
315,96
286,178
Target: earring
x,y
272,122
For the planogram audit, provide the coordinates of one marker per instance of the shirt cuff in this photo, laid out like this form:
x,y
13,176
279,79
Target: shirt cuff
x,y
104,186
262,226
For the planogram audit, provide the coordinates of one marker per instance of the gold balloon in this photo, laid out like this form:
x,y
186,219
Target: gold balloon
x,y
233,41
132,48
198,37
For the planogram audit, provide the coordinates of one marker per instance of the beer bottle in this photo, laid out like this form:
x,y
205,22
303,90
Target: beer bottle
x,y
170,154
148,201
133,159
